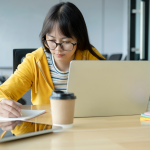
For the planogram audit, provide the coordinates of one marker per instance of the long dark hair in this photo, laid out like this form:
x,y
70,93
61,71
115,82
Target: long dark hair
x,y
71,23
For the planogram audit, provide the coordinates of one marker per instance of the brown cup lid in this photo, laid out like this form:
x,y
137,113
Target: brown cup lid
x,y
62,95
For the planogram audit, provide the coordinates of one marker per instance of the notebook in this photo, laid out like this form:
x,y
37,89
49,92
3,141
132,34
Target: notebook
x,y
109,88
26,115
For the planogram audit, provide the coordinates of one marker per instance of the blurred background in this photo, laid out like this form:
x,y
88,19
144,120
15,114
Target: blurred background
x,y
113,26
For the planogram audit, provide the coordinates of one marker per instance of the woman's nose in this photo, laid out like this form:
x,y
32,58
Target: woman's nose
x,y
58,48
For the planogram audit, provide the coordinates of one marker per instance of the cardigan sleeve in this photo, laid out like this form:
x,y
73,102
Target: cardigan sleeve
x,y
19,82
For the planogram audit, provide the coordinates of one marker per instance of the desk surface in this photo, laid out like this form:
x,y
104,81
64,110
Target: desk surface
x,y
115,133
43,119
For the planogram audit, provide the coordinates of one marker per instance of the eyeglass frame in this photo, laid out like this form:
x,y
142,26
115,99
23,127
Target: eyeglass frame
x,y
60,44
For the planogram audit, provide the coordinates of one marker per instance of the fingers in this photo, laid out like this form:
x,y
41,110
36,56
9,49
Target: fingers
x,y
19,104
10,108
7,126
9,112
3,124
13,104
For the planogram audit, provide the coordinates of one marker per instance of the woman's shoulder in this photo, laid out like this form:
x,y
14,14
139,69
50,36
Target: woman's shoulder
x,y
86,55
97,52
37,54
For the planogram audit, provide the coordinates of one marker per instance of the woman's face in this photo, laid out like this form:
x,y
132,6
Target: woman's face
x,y
58,53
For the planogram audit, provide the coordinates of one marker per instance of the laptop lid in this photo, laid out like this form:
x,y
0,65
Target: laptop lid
x,y
109,88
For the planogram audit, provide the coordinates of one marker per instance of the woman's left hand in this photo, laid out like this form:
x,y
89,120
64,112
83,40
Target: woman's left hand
x,y
10,125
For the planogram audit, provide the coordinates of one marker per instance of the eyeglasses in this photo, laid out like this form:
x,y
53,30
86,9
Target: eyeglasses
x,y
66,46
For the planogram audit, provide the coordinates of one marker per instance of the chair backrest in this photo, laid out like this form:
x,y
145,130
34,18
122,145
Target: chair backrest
x,y
105,55
115,57
125,57
18,55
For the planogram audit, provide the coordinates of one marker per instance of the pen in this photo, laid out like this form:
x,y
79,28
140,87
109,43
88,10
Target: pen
x,y
2,135
21,114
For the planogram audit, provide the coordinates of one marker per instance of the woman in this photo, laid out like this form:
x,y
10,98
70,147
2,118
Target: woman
x,y
64,37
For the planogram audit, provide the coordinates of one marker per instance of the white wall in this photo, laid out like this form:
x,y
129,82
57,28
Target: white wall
x,y
93,14
20,25
115,26
21,22
107,23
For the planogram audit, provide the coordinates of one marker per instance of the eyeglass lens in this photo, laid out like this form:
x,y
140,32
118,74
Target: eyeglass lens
x,y
64,46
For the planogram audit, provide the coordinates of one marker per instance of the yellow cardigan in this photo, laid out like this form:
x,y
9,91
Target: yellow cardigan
x,y
34,73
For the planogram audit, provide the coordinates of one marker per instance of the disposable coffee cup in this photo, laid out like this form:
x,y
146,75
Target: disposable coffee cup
x,y
62,108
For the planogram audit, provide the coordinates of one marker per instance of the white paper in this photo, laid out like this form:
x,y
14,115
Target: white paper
x,y
26,115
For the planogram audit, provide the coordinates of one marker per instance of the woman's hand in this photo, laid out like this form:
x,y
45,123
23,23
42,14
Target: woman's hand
x,y
10,108
7,126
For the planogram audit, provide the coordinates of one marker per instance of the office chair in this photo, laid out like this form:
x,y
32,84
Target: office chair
x,y
125,57
105,55
115,57
18,56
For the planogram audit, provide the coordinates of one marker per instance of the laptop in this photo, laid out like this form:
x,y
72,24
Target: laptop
x,y
109,88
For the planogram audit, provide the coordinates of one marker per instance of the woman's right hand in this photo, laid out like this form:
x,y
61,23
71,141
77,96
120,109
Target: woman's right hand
x,y
10,108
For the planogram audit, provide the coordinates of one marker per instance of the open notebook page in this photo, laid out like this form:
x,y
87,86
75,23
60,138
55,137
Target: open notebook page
x,y
26,115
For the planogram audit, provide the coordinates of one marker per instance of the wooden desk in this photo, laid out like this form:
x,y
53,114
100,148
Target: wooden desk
x,y
43,119
106,133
